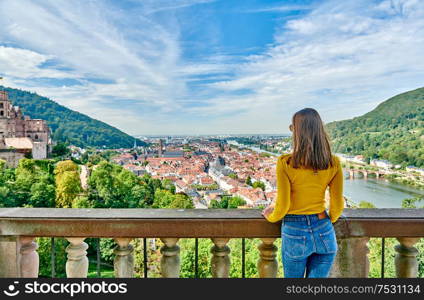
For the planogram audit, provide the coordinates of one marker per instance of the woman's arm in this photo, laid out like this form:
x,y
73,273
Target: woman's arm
x,y
282,204
336,193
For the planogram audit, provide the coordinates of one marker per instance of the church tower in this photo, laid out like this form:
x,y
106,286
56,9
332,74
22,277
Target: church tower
x,y
160,152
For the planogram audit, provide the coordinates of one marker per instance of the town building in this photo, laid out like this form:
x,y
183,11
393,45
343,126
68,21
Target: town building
x,y
358,159
381,163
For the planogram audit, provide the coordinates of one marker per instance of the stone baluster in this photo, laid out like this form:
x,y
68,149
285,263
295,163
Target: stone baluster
x,y
77,263
352,258
406,258
9,257
124,260
220,261
170,262
267,263
29,260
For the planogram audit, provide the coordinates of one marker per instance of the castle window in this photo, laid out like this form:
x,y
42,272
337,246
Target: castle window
x,y
36,137
2,105
1,113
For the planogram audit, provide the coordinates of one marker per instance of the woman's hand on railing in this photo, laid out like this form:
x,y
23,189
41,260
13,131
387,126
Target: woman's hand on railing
x,y
267,210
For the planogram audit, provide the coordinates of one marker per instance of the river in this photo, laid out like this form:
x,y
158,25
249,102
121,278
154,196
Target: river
x,y
380,192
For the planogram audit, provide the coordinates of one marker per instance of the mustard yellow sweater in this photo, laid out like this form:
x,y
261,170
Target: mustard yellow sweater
x,y
302,192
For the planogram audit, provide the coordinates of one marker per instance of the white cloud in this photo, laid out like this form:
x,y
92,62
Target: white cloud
x,y
24,63
154,6
341,57
280,8
140,63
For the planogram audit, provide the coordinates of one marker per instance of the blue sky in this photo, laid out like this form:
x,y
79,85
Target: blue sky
x,y
204,66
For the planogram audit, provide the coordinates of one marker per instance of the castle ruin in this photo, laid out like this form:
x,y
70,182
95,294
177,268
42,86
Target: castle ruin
x,y
21,136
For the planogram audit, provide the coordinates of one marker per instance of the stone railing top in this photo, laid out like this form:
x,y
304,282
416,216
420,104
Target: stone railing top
x,y
141,213
193,223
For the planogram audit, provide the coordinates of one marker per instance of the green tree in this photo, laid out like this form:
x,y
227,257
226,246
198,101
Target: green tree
x,y
163,199
259,184
43,193
60,150
25,176
68,184
168,185
412,202
236,201
227,202
45,251
182,201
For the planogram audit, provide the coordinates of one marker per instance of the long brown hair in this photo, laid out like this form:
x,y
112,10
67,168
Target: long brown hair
x,y
311,145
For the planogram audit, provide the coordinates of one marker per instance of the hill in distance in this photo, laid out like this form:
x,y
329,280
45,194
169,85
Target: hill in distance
x,y
70,126
394,130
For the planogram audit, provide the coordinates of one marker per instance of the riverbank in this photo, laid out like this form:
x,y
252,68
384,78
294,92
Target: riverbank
x,y
416,183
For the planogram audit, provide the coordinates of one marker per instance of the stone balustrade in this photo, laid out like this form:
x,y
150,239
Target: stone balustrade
x,y
20,226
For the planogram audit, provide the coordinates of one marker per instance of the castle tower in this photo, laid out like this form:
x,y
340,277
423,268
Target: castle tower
x,y
6,124
5,105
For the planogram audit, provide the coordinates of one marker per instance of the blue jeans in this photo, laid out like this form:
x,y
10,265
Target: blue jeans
x,y
309,246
